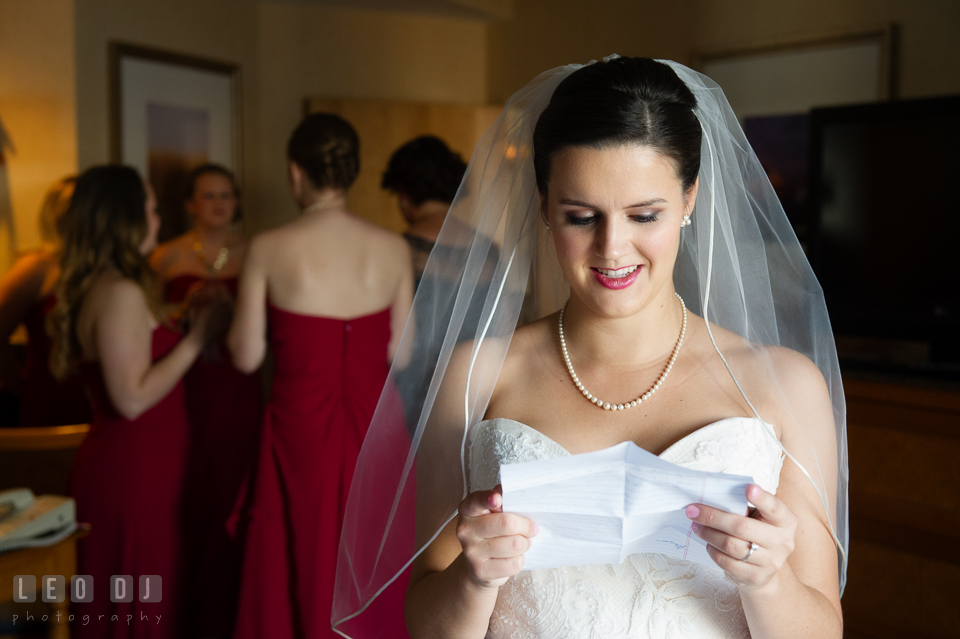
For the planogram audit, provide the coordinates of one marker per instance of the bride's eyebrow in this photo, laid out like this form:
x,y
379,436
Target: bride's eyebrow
x,y
656,200
577,203
651,202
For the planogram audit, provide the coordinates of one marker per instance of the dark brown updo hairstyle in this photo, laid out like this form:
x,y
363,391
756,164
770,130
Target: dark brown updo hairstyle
x,y
327,148
102,229
635,101
424,169
212,169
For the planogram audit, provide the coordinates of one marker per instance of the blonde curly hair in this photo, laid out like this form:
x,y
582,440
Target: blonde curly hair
x,y
102,229
55,204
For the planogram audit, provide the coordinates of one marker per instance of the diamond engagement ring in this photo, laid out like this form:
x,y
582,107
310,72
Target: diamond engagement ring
x,y
753,547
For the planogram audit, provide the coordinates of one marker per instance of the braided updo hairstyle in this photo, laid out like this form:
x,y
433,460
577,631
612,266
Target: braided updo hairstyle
x,y
621,101
327,148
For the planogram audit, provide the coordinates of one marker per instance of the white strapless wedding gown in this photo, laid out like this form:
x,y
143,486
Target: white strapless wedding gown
x,y
650,596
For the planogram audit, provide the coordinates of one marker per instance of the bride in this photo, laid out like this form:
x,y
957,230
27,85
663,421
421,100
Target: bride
x,y
631,179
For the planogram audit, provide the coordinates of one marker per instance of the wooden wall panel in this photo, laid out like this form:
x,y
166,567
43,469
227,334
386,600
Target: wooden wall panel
x,y
897,594
904,573
383,125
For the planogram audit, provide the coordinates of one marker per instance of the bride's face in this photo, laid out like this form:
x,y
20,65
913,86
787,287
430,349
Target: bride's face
x,y
615,216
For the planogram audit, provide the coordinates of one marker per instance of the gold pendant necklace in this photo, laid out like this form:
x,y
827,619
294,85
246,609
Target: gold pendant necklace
x,y
218,263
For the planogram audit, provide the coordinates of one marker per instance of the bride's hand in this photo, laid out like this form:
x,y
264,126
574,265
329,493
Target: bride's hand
x,y
772,527
493,541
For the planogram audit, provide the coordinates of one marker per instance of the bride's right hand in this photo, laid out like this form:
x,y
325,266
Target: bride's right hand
x,y
493,541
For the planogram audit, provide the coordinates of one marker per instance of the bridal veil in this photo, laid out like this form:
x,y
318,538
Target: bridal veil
x,y
740,266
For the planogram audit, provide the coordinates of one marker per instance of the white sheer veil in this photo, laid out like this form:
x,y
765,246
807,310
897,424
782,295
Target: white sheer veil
x,y
740,265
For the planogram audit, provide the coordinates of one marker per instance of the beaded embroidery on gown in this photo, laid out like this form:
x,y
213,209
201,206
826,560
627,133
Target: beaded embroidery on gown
x,y
649,595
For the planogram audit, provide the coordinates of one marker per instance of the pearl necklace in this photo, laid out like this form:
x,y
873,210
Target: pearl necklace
x,y
606,405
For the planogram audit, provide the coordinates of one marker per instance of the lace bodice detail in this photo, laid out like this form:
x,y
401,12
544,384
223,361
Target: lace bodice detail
x,y
649,595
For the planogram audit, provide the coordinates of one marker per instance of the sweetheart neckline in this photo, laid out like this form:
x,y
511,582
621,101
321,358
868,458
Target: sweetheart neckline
x,y
667,450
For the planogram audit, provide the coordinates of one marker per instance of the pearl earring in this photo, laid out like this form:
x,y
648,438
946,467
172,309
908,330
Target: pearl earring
x,y
686,221
548,224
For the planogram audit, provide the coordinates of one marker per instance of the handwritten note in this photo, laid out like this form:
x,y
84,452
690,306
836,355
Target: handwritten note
x,y
601,507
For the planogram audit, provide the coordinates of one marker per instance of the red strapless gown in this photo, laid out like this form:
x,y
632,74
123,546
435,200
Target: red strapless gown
x,y
225,408
45,401
128,480
329,375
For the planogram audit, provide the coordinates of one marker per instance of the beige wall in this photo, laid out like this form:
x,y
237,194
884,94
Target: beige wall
x,y
547,33
286,51
306,50
37,112
54,65
221,30
54,81
930,32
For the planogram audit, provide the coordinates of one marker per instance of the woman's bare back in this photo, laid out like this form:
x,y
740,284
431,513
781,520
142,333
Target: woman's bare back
x,y
333,264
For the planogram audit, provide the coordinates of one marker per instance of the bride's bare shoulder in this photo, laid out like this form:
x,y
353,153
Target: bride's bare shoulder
x,y
513,350
533,338
532,348
783,380
503,358
748,355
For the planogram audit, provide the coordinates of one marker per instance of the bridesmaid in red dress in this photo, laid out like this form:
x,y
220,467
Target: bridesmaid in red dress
x,y
330,292
225,406
128,475
26,296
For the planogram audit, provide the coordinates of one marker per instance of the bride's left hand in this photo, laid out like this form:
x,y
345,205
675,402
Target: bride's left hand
x,y
772,527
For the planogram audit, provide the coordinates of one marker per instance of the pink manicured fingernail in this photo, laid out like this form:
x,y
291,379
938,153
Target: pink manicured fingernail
x,y
753,492
693,511
695,526
536,528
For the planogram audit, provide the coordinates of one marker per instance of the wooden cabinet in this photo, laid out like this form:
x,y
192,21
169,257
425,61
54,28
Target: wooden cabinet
x,y
904,572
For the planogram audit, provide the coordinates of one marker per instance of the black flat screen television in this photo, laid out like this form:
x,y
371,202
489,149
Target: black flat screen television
x,y
884,230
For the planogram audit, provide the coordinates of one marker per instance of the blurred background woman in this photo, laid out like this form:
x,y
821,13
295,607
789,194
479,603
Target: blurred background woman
x,y
425,175
335,292
225,406
26,296
211,251
128,475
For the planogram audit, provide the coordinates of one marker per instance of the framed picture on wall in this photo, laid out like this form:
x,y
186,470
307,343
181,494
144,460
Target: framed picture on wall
x,y
169,114
773,87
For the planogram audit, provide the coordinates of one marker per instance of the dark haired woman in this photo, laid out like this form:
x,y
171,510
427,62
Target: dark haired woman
x,y
225,405
332,292
26,295
128,476
683,319
425,175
